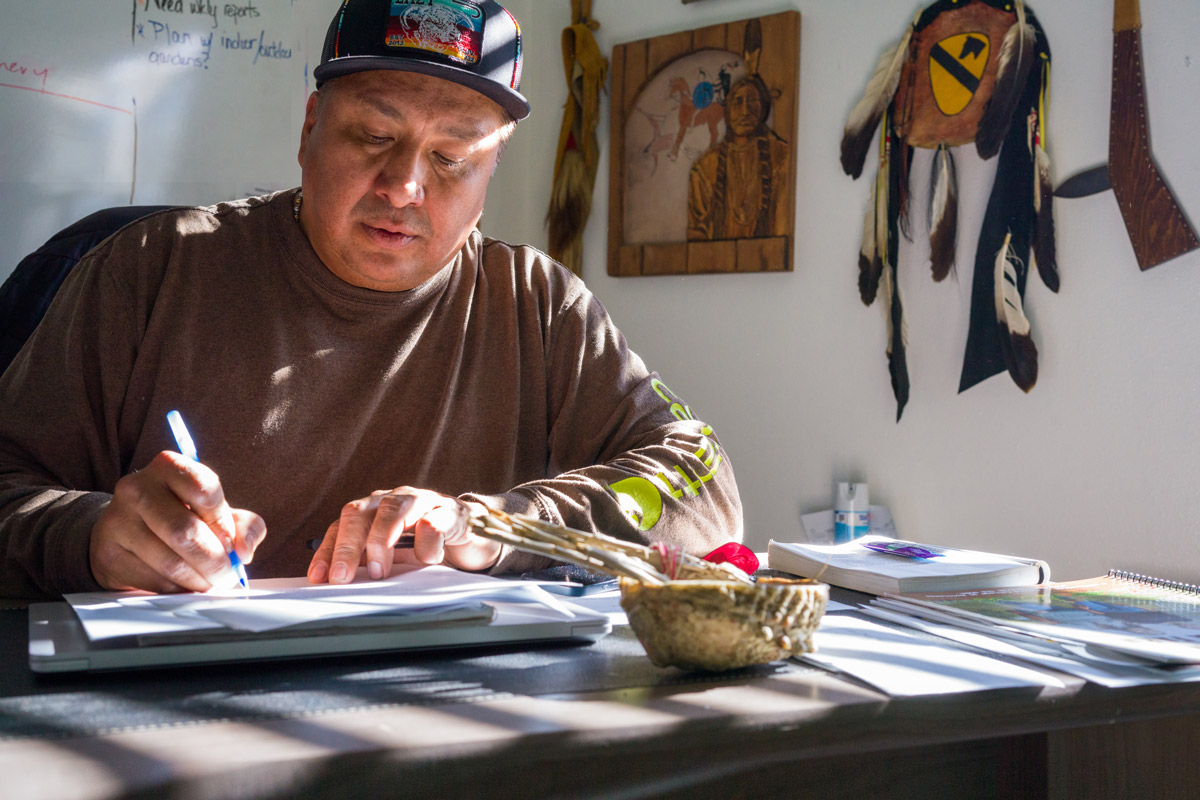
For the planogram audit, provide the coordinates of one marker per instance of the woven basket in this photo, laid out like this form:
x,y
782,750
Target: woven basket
x,y
718,625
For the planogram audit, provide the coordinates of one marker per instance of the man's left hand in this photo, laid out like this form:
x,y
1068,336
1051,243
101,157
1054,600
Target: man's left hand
x,y
368,529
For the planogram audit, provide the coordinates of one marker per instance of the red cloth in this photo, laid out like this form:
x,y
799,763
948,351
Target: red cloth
x,y
739,555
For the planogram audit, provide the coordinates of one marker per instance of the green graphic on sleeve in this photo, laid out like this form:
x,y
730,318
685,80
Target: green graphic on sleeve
x,y
641,499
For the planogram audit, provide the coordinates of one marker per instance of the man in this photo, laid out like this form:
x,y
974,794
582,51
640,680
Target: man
x,y
328,343
734,188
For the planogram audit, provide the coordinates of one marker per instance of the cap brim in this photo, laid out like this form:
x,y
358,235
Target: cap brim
x,y
510,100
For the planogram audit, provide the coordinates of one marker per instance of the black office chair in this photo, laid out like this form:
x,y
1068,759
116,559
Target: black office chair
x,y
27,293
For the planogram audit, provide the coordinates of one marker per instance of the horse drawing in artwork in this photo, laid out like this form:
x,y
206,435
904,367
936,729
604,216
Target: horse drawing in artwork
x,y
698,106
660,142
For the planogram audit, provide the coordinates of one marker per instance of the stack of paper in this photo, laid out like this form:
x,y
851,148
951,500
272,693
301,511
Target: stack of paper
x,y
904,664
1106,630
431,594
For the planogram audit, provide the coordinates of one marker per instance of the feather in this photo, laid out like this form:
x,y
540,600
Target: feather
x,y
877,219
864,119
1044,249
887,214
897,337
1012,70
1016,345
570,205
869,264
903,168
943,213
752,45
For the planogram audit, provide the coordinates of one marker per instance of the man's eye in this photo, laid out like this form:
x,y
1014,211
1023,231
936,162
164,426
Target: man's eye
x,y
447,161
375,138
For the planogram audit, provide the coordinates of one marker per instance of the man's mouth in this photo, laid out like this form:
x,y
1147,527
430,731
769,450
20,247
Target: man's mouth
x,y
389,237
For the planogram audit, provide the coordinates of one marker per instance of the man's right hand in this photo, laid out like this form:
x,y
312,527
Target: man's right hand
x,y
169,529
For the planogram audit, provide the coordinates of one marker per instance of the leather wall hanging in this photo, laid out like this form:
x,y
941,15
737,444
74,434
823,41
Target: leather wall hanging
x,y
964,71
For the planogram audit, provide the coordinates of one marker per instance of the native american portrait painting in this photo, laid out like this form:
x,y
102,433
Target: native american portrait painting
x,y
703,150
733,188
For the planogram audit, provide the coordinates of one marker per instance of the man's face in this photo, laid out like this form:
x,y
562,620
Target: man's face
x,y
395,167
745,110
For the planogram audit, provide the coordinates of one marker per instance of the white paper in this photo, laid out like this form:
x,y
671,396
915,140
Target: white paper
x,y
902,664
607,603
277,603
1086,664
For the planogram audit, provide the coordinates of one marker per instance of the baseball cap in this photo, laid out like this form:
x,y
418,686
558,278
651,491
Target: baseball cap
x,y
473,43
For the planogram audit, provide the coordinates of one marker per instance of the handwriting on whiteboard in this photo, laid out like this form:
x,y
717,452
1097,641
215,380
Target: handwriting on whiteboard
x,y
16,68
33,79
207,8
184,49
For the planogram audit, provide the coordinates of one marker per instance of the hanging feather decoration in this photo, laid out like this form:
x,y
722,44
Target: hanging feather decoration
x,y
1016,345
897,350
891,174
864,119
1043,227
578,154
570,207
897,336
875,230
964,71
943,213
1044,249
869,263
1014,63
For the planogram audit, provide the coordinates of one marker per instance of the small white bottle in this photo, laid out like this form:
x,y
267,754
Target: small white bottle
x,y
851,512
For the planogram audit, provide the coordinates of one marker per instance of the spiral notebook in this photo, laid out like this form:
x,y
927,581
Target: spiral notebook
x,y
1155,619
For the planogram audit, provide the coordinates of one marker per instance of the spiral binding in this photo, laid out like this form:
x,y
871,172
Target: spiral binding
x,y
1161,583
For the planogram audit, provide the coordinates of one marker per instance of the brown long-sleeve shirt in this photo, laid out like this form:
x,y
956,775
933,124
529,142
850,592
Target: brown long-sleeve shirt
x,y
500,377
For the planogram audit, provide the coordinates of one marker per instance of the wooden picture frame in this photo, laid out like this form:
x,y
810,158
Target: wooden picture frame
x,y
687,194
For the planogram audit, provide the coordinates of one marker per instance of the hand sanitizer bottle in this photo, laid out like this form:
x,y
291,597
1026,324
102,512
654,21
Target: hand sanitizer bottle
x,y
851,513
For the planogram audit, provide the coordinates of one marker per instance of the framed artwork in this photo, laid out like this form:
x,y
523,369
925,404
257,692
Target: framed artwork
x,y
702,149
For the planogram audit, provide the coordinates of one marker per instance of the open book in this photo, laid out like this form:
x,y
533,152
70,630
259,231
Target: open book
x,y
879,564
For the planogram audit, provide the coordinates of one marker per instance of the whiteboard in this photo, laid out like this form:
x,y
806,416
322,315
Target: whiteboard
x,y
118,102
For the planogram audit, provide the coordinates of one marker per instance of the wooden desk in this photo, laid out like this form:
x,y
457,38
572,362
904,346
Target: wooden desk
x,y
787,732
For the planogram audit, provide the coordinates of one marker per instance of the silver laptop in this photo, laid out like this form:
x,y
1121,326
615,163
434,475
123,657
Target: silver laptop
x,y
59,639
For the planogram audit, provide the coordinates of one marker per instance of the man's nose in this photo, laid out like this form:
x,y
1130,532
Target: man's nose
x,y
401,179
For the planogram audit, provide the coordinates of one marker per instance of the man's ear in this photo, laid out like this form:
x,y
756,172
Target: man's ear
x,y
310,119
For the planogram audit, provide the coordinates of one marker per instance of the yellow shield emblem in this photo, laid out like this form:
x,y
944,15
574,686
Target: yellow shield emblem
x,y
956,65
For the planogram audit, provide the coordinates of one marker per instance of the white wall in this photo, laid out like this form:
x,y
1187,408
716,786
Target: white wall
x,y
1099,466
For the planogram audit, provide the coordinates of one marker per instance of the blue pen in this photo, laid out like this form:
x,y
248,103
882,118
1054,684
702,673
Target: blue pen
x,y
188,448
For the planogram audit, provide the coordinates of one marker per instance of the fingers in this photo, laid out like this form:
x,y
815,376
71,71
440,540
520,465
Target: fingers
x,y
442,526
250,530
118,568
169,527
318,568
395,513
368,529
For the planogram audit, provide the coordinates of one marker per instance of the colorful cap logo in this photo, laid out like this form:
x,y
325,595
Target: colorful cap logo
x,y
476,44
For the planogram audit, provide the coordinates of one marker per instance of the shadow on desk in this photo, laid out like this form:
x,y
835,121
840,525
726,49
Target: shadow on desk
x,y
571,721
